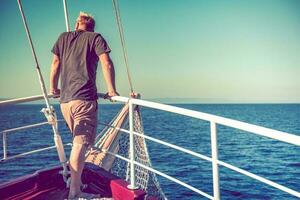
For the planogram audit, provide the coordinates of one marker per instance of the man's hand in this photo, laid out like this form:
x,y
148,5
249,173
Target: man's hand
x,y
134,95
111,94
55,92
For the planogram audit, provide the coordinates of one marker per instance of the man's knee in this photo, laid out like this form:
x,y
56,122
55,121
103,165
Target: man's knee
x,y
78,152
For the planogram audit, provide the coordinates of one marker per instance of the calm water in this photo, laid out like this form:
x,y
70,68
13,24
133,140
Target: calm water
x,y
273,160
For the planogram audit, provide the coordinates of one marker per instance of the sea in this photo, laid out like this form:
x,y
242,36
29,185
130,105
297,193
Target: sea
x,y
274,160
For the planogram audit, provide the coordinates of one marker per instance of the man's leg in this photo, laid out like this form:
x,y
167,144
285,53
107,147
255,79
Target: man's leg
x,y
84,130
76,165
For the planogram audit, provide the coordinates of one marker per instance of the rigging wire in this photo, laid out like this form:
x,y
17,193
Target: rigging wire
x,y
121,34
66,15
41,80
49,111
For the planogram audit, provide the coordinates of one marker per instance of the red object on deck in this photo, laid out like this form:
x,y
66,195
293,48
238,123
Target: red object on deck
x,y
48,184
121,192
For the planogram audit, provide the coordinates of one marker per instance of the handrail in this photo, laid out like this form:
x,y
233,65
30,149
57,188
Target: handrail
x,y
267,132
26,127
259,178
5,132
259,130
31,152
23,100
12,130
40,97
173,146
213,119
198,155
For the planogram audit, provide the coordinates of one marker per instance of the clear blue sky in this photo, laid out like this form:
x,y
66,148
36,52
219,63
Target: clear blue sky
x,y
204,51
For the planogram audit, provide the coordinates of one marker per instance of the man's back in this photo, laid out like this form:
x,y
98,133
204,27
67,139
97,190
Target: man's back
x,y
75,64
78,52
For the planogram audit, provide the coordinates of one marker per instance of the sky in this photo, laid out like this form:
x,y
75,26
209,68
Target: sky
x,y
200,51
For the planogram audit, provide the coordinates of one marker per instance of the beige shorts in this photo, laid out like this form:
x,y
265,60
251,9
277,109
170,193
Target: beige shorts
x,y
81,117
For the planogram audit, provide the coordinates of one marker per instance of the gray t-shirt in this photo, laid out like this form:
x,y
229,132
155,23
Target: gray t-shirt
x,y
78,53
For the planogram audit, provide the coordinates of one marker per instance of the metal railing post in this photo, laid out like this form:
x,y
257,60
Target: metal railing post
x,y
132,185
214,155
4,146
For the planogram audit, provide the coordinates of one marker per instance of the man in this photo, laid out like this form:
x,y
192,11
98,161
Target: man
x,y
75,59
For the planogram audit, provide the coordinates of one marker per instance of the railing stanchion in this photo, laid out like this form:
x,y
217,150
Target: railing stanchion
x,y
131,148
4,146
214,155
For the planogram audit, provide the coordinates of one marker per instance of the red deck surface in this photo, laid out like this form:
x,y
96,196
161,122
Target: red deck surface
x,y
49,184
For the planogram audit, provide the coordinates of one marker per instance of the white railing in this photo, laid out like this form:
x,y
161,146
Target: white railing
x,y
213,119
6,132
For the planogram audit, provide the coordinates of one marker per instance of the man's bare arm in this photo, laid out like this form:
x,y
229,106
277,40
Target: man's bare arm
x,y
54,75
108,73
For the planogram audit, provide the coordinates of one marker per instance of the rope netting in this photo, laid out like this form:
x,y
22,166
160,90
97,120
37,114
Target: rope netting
x,y
115,141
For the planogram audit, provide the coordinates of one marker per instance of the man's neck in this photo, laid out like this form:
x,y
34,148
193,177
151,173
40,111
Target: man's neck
x,y
80,29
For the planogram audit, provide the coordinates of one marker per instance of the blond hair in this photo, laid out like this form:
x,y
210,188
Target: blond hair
x,y
86,20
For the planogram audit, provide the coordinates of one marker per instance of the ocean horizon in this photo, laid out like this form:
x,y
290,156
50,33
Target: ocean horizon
x,y
178,101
